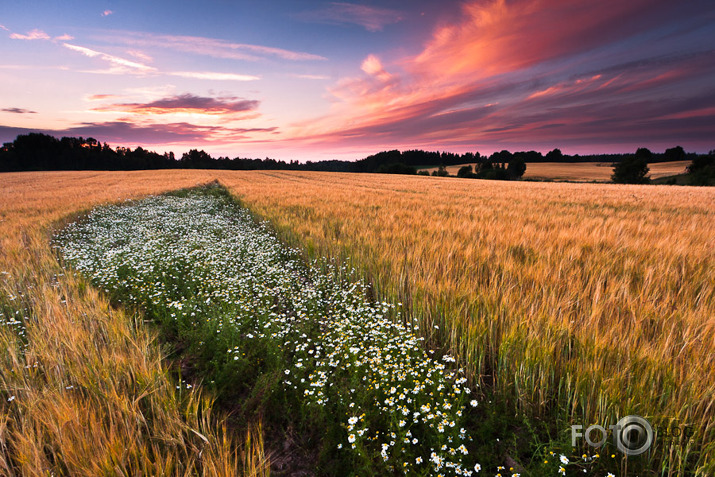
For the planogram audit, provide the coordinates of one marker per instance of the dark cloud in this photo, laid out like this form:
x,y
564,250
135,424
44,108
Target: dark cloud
x,y
186,103
18,111
338,13
126,133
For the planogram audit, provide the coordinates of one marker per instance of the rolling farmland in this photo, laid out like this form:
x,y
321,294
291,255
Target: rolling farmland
x,y
574,302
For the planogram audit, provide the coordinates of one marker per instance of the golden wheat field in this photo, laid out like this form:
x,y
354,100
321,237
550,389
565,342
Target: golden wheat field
x,y
584,171
581,301
89,394
597,299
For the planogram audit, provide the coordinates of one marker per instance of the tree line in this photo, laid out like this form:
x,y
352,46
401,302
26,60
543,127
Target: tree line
x,y
37,151
633,169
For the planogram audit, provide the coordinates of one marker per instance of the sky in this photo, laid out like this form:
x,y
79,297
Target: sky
x,y
314,80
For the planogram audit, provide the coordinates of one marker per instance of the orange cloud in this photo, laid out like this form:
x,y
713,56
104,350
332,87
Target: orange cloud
x,y
101,97
497,36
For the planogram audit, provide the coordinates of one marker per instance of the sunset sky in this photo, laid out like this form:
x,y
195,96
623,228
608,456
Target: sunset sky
x,y
300,79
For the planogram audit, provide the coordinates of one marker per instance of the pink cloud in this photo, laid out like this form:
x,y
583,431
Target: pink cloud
x,y
209,75
311,77
106,13
31,35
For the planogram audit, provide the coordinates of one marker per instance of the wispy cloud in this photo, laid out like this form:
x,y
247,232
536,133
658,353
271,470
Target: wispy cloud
x,y
18,111
128,133
311,77
211,47
186,103
37,34
101,97
106,13
371,18
121,64
208,75
31,35
140,55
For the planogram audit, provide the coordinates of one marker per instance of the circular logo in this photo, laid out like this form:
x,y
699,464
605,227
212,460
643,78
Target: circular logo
x,y
634,435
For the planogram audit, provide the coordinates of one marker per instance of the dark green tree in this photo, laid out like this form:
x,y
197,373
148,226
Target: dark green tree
x,y
555,155
516,167
674,154
702,169
396,168
441,171
465,172
633,169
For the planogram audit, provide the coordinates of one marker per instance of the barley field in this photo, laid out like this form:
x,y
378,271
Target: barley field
x,y
584,171
574,302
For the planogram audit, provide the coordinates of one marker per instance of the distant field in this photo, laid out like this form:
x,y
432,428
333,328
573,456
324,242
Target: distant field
x,y
576,302
584,171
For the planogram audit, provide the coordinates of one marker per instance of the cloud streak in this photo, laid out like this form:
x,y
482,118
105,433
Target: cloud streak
x,y
371,18
211,47
208,75
37,34
186,103
18,111
126,133
121,64
31,35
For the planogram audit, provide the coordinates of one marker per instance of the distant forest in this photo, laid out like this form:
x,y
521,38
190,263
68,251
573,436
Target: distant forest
x,y
36,151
